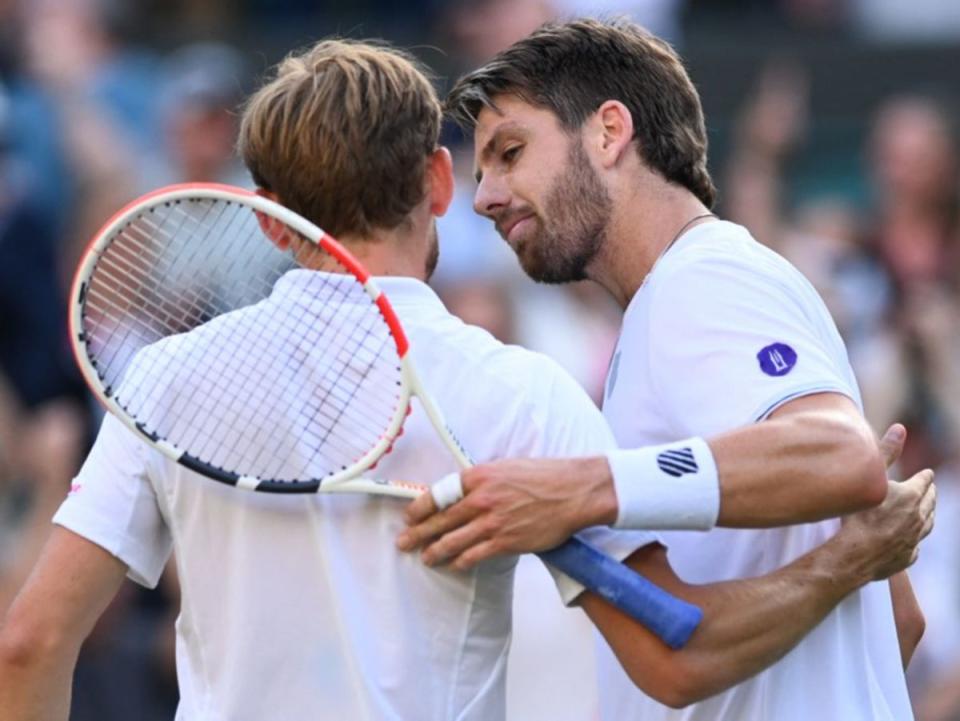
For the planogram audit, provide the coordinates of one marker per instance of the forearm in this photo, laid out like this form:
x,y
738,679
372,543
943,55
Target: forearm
x,y
747,626
45,626
814,458
35,684
907,615
796,469
752,624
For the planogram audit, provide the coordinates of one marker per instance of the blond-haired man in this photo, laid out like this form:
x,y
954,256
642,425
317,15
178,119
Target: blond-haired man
x,y
346,134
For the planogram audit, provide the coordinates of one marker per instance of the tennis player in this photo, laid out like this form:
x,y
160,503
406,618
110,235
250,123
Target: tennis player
x,y
590,152
301,607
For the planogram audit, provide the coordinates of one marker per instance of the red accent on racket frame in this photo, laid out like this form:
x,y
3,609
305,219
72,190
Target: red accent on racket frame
x,y
396,330
344,257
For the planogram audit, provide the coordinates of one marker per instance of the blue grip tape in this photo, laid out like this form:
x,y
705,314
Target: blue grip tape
x,y
670,618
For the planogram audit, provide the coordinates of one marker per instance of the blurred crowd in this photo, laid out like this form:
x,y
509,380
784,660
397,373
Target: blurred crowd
x,y
102,100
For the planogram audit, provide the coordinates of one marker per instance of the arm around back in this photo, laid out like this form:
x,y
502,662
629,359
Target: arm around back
x,y
750,624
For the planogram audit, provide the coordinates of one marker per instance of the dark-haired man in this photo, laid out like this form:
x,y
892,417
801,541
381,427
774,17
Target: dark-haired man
x,y
590,151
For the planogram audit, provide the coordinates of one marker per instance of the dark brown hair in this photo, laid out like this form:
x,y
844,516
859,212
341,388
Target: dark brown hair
x,y
573,68
342,134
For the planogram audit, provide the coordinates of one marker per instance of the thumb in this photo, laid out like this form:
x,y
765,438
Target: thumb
x,y
891,445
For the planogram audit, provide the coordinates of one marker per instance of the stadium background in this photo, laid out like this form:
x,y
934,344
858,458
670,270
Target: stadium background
x,y
833,127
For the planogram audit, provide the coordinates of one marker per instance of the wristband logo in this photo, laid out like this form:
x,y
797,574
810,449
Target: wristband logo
x,y
777,359
677,462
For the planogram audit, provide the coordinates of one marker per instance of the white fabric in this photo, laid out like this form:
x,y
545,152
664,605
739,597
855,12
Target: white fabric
x,y
697,356
671,486
300,607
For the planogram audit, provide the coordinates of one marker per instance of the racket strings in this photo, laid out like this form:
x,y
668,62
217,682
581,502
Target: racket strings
x,y
214,345
268,410
325,416
150,267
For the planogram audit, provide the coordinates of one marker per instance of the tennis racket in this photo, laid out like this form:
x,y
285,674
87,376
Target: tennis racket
x,y
249,346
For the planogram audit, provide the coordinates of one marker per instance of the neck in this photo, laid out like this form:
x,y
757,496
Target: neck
x,y
403,251
647,219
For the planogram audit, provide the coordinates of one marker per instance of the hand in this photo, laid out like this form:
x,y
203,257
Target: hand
x,y
512,506
885,540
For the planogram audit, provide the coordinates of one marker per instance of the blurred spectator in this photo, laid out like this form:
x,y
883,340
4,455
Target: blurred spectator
x,y
202,87
898,21
916,178
476,30
661,17
32,145
102,90
82,47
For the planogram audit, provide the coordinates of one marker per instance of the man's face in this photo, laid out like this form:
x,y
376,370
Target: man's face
x,y
536,183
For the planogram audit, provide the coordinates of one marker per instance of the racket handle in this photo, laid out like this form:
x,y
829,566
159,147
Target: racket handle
x,y
669,617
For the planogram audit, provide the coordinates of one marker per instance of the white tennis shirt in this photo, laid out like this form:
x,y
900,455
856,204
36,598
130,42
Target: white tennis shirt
x,y
724,332
299,607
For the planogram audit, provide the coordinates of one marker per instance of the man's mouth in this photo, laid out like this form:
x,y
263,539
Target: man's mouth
x,y
509,230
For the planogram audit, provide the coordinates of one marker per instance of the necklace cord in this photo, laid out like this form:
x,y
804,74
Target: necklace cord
x,y
669,245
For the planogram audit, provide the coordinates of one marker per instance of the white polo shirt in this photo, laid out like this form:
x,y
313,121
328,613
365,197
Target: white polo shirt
x,y
299,607
723,332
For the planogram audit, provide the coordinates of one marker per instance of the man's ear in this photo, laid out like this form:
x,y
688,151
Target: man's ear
x,y
440,180
276,231
609,132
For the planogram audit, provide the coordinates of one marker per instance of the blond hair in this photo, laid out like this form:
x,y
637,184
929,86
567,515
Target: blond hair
x,y
342,134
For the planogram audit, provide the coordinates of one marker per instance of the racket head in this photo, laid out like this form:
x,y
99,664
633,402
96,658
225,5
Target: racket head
x,y
126,309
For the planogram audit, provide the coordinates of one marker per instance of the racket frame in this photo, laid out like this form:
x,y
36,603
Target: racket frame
x,y
344,480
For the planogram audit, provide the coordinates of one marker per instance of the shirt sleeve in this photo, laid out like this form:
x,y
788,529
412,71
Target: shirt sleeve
x,y
113,503
571,426
730,342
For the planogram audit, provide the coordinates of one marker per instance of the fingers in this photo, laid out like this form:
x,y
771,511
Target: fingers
x,y
434,525
928,506
928,523
447,491
472,556
420,509
920,482
891,445
460,544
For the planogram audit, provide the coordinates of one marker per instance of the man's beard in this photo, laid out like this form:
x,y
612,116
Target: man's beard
x,y
573,227
433,252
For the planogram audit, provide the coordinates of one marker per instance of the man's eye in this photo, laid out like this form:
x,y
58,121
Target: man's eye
x,y
511,153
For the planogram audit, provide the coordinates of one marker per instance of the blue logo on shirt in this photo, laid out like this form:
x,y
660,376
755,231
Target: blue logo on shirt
x,y
777,359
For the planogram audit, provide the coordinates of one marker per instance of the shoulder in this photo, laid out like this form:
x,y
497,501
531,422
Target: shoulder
x,y
722,249
724,266
509,369
529,391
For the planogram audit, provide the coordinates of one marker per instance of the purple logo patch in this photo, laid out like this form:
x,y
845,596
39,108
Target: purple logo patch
x,y
777,359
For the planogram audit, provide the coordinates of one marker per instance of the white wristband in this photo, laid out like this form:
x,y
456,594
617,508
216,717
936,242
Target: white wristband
x,y
673,486
447,491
